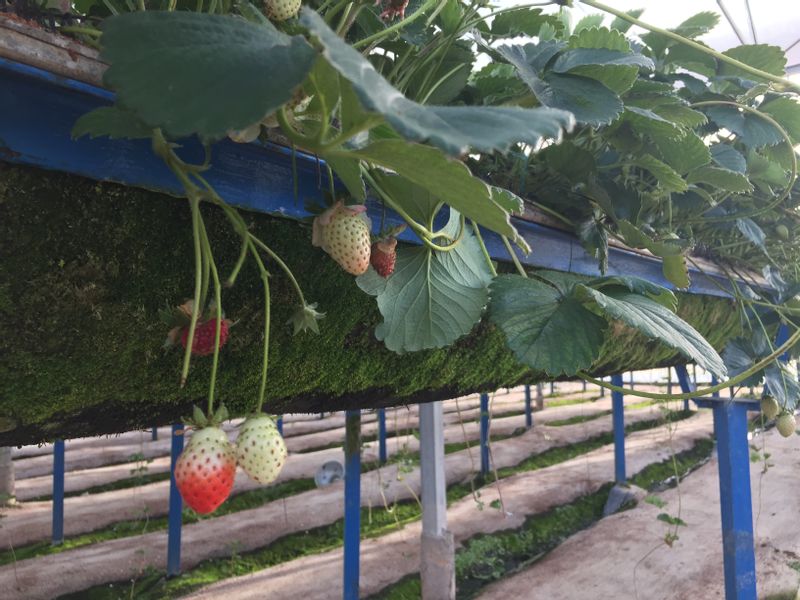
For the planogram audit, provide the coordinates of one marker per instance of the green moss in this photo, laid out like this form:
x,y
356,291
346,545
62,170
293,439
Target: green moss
x,y
85,266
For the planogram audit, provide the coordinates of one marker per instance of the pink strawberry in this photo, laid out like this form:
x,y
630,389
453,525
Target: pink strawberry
x,y
205,470
343,232
260,449
204,336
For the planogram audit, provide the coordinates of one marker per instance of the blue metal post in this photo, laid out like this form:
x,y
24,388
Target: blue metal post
x,y
602,389
154,433
552,387
730,426
175,506
382,435
669,386
528,412
58,492
279,424
619,430
484,434
352,503
685,383
633,384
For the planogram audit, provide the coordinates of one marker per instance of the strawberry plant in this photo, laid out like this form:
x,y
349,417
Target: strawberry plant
x,y
653,140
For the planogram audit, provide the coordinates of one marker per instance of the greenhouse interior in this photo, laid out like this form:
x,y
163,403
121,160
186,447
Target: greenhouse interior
x,y
399,299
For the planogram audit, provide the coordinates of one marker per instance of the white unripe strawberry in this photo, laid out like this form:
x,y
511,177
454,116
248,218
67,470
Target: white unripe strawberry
x,y
260,449
280,10
786,424
343,232
770,407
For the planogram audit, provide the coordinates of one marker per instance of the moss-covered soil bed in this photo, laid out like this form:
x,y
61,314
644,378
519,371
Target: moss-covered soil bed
x,y
85,267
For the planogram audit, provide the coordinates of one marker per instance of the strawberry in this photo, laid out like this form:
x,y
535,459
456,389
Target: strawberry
x,y
280,10
260,449
343,232
205,470
204,336
769,407
383,256
786,424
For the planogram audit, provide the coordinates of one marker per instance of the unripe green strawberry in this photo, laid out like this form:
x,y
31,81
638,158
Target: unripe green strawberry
x,y
205,470
343,232
770,407
260,449
280,10
786,424
782,231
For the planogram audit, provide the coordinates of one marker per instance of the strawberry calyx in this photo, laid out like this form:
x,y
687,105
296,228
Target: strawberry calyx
x,y
201,420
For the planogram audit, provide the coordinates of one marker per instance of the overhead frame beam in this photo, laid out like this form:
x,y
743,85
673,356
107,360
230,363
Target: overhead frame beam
x,y
252,176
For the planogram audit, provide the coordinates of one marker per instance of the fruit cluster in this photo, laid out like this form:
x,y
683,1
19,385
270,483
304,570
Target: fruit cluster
x,y
785,422
206,469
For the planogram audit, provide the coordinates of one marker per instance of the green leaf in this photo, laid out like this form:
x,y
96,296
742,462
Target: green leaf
x,y
432,298
782,383
682,153
752,130
770,59
698,24
189,72
111,121
692,59
786,111
648,122
676,270
637,285
588,22
546,330
349,171
508,200
594,238
682,115
522,21
728,157
417,201
600,37
671,520
668,179
655,321
720,178
454,129
614,69
567,159
446,179
752,232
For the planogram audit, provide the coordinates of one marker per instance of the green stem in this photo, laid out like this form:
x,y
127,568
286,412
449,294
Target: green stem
x,y
282,265
82,30
376,37
703,392
194,203
486,256
692,44
218,308
265,362
239,262
514,257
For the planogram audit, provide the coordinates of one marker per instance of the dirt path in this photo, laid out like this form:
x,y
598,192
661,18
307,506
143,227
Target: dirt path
x,y
123,559
387,559
692,568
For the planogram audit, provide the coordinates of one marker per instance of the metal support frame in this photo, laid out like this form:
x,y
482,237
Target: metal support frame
x,y
618,416
279,424
632,382
58,493
730,427
174,520
686,385
528,411
352,503
382,435
154,433
539,396
485,435
437,568
669,385
552,387
602,389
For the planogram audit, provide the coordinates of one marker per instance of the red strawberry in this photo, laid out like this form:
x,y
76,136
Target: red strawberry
x,y
383,256
204,335
343,232
205,470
